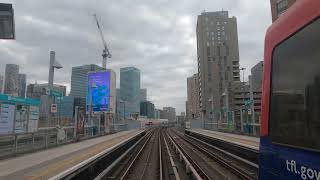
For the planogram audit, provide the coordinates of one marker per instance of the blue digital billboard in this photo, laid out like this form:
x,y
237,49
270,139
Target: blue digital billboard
x,y
98,91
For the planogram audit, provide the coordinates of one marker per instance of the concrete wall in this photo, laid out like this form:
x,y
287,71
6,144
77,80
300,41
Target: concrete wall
x,y
132,124
195,123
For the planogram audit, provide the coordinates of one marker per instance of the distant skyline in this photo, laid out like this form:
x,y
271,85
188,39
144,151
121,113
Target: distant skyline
x,y
158,38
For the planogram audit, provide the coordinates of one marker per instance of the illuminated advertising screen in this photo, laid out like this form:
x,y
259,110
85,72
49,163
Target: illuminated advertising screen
x,y
98,91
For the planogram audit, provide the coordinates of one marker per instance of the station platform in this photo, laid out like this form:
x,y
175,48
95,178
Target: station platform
x,y
50,162
246,141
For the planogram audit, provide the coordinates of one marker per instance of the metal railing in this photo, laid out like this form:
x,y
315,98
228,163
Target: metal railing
x,y
46,137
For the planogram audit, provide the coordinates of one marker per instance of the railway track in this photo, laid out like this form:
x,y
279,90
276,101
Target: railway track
x,y
145,164
165,154
154,157
133,163
215,162
177,165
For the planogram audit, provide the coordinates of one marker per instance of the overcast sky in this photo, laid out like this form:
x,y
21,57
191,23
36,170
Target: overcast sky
x,y
158,37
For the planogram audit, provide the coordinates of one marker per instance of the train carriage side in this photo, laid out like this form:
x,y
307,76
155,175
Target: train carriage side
x,y
290,127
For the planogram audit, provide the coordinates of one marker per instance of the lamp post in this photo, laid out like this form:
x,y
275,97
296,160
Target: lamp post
x,y
124,112
60,98
92,86
204,119
243,88
212,111
242,69
241,120
52,65
109,118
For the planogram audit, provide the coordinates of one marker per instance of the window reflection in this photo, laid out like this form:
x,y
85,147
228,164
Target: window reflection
x,y
295,93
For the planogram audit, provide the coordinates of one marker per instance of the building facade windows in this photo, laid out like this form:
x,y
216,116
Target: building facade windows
x,y
212,81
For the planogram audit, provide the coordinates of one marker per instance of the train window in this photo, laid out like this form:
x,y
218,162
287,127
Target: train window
x,y
295,90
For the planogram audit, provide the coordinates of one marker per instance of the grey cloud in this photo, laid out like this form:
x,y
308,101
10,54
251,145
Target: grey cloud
x,y
158,37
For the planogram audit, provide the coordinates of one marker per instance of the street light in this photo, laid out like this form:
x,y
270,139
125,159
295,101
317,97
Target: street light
x,y
109,116
242,69
60,98
212,111
92,86
124,111
243,88
53,64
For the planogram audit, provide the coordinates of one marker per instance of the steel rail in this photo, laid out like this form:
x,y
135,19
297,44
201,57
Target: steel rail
x,y
233,167
135,158
160,156
76,169
249,163
188,161
115,163
148,159
247,152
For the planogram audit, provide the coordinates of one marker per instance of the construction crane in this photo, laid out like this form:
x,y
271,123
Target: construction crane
x,y
105,53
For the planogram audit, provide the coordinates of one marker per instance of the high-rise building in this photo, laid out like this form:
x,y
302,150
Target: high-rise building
x,y
79,79
168,113
241,95
157,113
147,109
118,92
65,107
22,83
130,90
11,79
1,83
278,7
247,99
255,82
143,94
218,60
251,90
193,107
39,91
180,120
257,75
118,103
36,90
